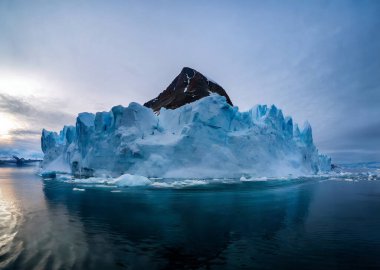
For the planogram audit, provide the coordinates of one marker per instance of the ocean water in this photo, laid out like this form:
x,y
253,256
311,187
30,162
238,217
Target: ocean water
x,y
324,222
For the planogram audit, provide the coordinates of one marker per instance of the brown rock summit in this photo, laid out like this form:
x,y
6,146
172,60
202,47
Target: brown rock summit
x,y
187,87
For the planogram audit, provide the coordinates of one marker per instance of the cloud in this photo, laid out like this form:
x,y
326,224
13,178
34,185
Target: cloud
x,y
32,115
24,132
318,61
35,112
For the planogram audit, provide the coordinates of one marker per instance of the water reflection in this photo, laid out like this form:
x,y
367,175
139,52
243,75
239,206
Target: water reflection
x,y
9,220
191,228
303,224
31,237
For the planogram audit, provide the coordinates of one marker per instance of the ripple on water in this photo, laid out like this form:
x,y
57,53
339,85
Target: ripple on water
x,y
10,247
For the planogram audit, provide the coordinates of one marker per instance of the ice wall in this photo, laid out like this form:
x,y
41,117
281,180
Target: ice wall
x,y
206,138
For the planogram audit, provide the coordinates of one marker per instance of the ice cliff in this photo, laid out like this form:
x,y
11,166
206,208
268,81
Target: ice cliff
x,y
207,137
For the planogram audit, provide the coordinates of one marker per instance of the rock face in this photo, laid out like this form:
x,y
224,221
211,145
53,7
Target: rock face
x,y
187,87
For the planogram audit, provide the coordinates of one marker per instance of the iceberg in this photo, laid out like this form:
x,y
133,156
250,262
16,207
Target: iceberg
x,y
205,138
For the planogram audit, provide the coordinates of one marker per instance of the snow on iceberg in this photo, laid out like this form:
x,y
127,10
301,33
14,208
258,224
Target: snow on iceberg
x,y
205,138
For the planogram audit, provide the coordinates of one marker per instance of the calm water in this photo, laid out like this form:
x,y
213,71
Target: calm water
x,y
320,223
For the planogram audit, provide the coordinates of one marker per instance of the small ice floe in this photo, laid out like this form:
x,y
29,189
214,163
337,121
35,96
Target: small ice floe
x,y
371,177
161,185
180,183
349,179
125,180
78,189
129,180
115,191
63,177
253,179
225,180
86,181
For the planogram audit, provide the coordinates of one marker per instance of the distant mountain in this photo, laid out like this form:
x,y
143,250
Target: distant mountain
x,y
189,86
8,153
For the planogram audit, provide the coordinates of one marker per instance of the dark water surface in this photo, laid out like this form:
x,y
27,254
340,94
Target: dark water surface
x,y
326,223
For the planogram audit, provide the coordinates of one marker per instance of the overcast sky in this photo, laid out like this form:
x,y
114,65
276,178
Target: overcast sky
x,y
317,60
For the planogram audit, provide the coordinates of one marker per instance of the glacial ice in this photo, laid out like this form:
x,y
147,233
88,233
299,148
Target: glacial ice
x,y
204,139
125,180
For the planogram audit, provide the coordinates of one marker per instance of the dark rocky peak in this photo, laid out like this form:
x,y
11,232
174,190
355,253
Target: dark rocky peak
x,y
187,87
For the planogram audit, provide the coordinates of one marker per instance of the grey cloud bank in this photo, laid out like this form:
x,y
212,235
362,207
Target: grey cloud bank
x,y
318,61
32,114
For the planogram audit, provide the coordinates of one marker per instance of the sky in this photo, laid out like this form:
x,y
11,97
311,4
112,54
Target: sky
x,y
316,60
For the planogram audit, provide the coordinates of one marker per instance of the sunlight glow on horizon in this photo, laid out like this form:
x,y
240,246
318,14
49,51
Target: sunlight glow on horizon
x,y
7,124
21,85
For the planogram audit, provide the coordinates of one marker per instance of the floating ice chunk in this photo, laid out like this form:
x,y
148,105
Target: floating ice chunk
x,y
253,179
180,183
129,180
86,181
